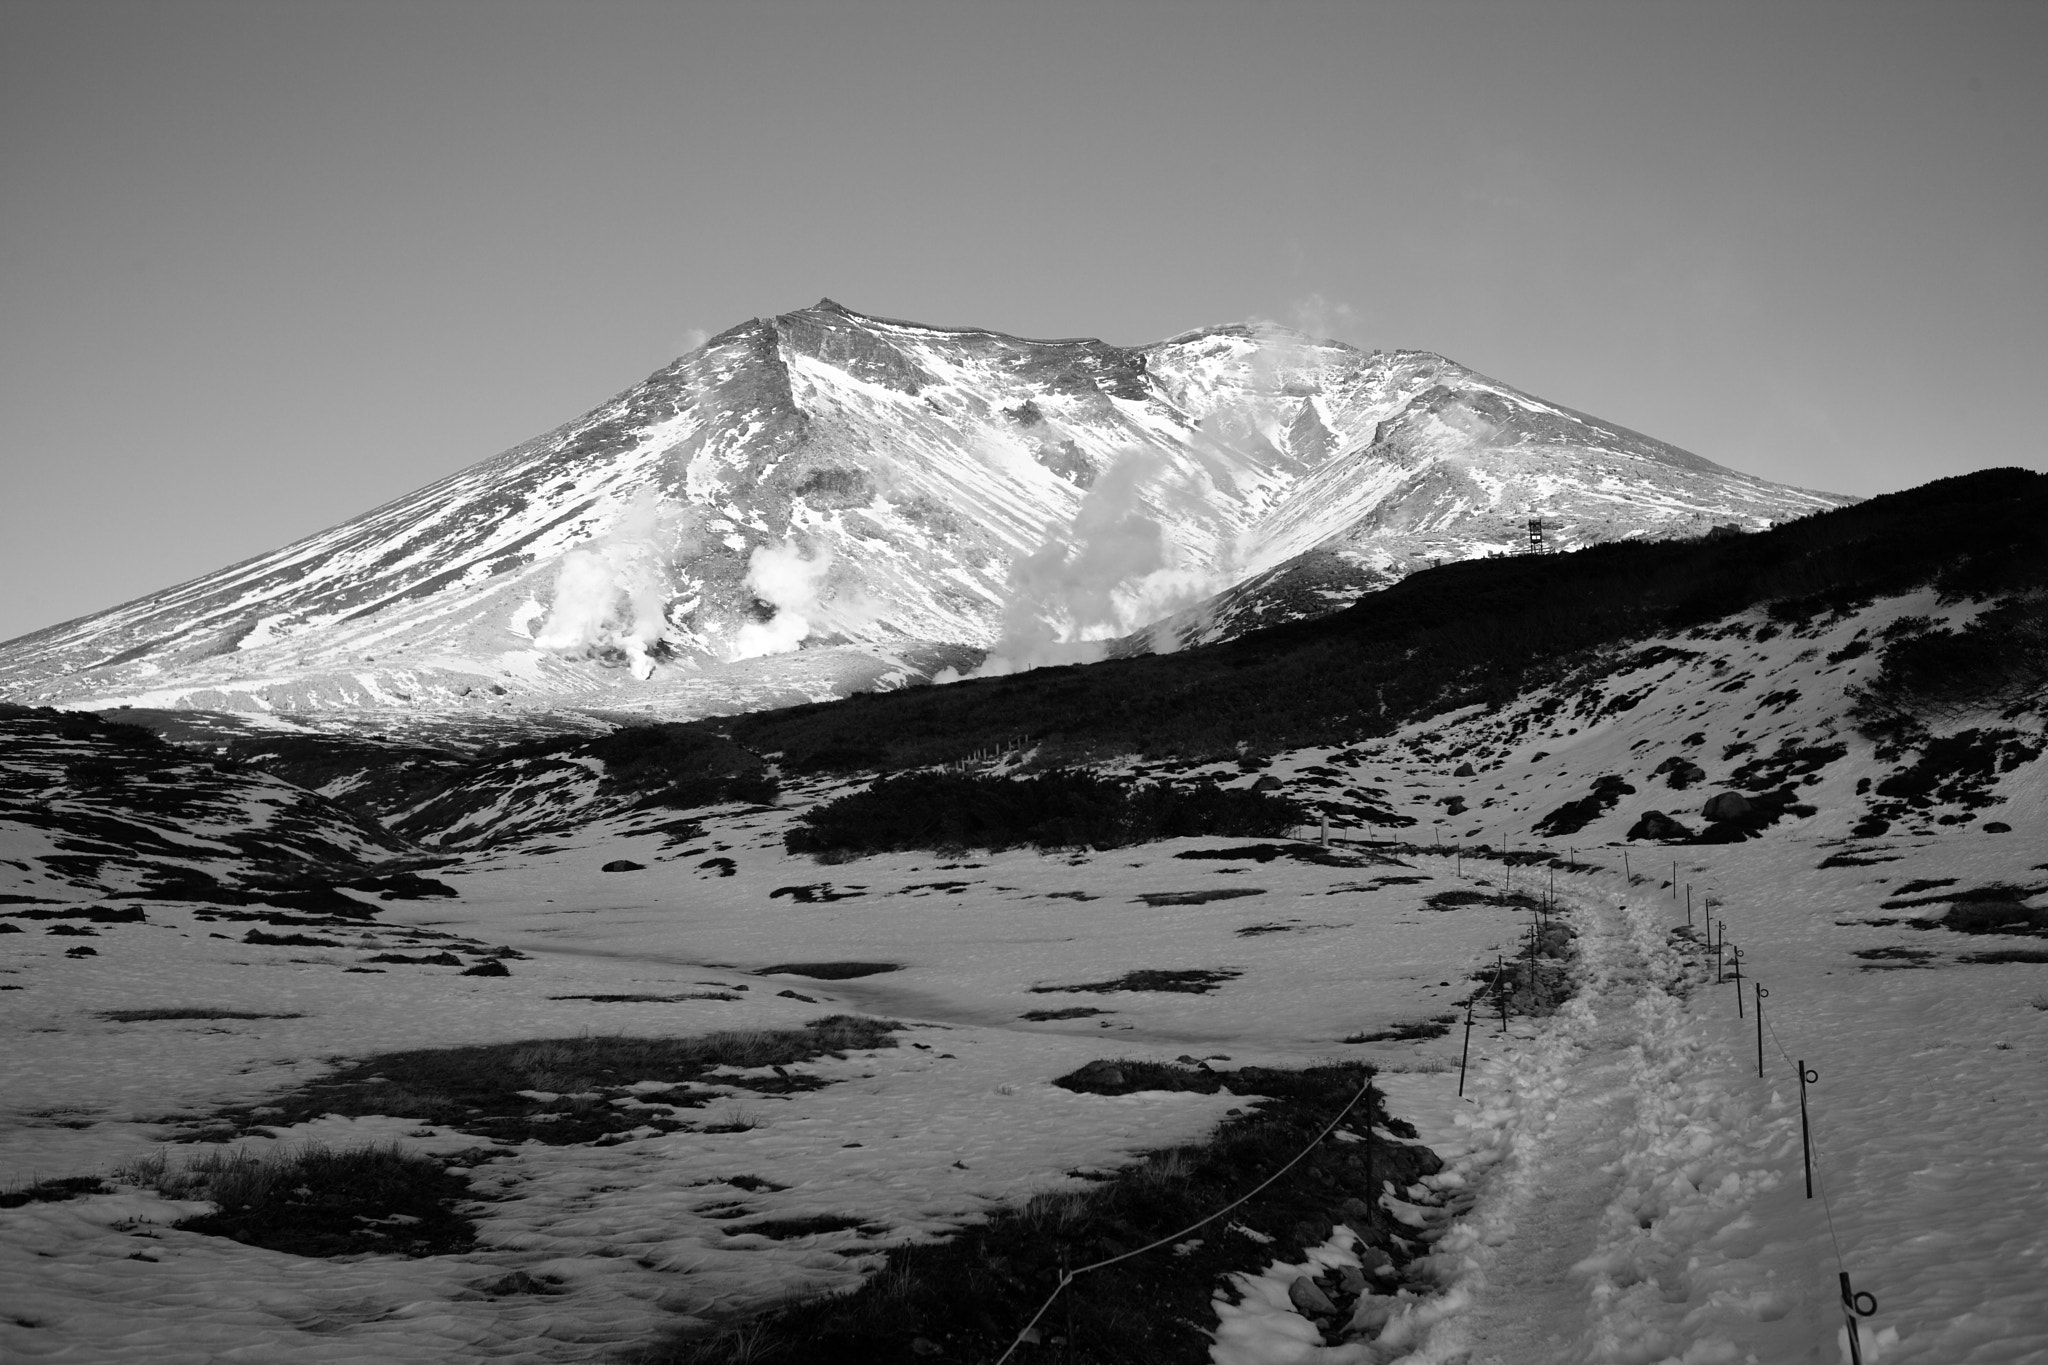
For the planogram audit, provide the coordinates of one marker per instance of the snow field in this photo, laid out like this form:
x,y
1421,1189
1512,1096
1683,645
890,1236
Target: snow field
x,y
640,1236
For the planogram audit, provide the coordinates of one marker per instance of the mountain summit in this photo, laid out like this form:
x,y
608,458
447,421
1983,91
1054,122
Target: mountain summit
x,y
824,501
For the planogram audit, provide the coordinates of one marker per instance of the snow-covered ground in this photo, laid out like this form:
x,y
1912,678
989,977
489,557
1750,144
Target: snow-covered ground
x,y
1621,1186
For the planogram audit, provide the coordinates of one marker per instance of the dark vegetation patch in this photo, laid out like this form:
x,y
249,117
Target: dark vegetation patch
x,y
1266,853
809,895
1908,957
1058,809
321,1201
1995,908
830,971
1925,884
1070,1012
1573,816
475,1089
138,1016
966,1298
1479,632
91,914
1287,927
787,1229
1863,858
1221,893
1956,770
1198,981
423,960
1415,1032
259,937
1512,900
648,999
2003,955
1996,663
51,1191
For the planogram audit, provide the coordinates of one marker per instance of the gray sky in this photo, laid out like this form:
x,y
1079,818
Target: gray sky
x,y
265,266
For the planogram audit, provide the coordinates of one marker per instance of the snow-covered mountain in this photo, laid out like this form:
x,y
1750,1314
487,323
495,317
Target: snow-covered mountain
x,y
820,502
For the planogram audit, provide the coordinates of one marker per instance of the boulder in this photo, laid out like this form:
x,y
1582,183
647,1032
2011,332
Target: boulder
x,y
1268,783
624,865
1309,1299
1464,770
490,968
1655,824
1726,806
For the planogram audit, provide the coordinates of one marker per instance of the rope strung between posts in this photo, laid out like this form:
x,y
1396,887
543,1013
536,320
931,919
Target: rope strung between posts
x,y
1068,1277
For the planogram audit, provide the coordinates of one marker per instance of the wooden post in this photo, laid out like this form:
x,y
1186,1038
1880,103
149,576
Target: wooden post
x,y
1688,902
1628,878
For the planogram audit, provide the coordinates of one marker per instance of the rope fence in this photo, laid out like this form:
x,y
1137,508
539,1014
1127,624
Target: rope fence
x,y
1067,1277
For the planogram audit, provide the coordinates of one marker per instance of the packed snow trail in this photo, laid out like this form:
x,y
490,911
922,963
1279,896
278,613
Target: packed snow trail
x,y
1617,1159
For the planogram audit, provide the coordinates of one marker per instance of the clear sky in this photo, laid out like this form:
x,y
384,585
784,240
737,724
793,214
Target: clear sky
x,y
266,265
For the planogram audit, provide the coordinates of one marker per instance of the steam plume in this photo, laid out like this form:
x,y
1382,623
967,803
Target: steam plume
x,y
610,592
786,580
1101,576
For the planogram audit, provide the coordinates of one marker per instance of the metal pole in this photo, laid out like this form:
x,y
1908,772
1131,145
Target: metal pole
x,y
1805,1130
1849,1316
1688,902
1466,1056
1674,882
1760,994
1738,975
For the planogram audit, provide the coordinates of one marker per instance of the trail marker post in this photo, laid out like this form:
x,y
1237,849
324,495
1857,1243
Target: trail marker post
x,y
1628,878
1466,1056
1501,989
1760,994
1805,1129
1854,1306
1688,902
1738,974
1674,883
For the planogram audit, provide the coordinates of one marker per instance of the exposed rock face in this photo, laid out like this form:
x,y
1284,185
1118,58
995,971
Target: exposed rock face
x,y
1655,824
822,501
1726,806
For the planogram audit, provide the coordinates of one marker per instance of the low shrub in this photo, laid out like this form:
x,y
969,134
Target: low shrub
x,y
967,1297
477,1089
320,1201
1058,809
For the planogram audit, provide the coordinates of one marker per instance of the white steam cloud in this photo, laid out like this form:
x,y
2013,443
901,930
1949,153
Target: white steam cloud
x,y
787,580
610,592
1103,575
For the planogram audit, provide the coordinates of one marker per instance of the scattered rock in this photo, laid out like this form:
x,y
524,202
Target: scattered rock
x,y
924,1346
1997,827
1309,1299
1268,783
1352,1280
624,865
1726,806
518,1282
1655,824
1464,770
792,995
490,968
81,951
